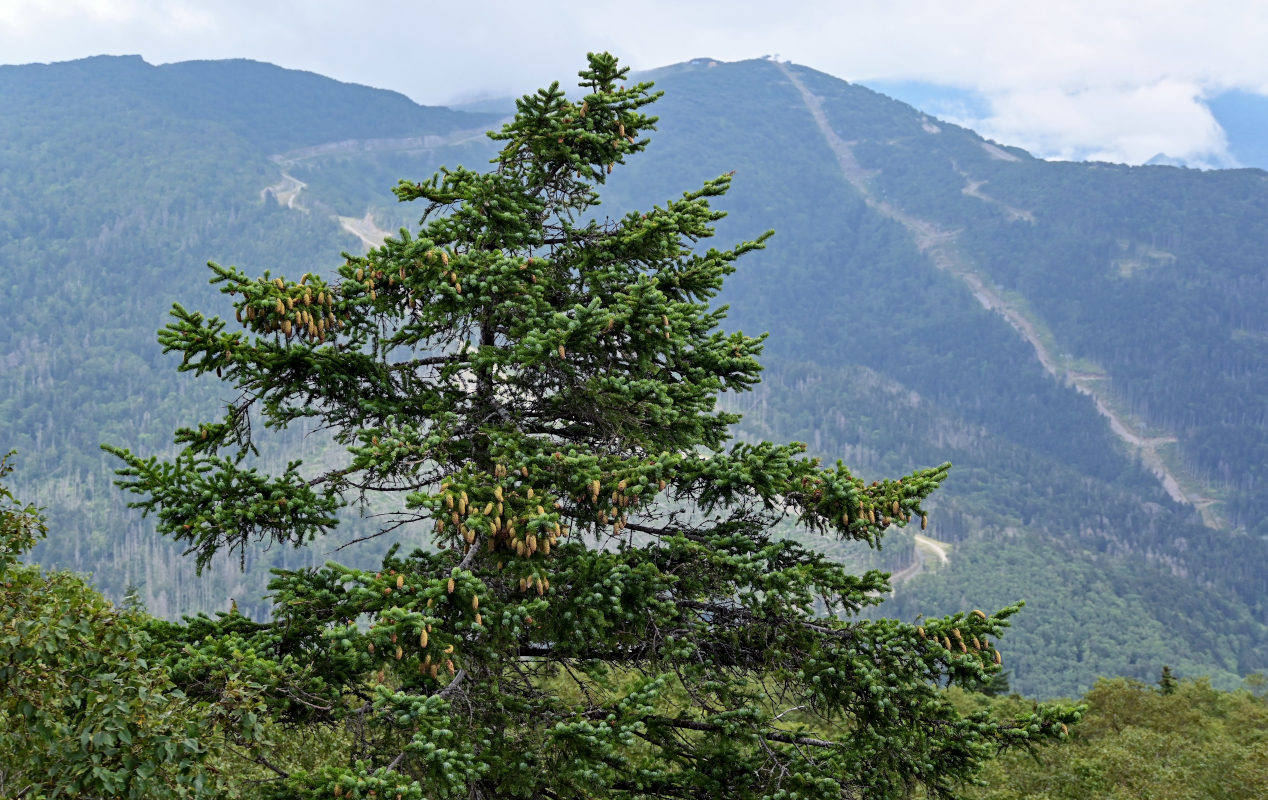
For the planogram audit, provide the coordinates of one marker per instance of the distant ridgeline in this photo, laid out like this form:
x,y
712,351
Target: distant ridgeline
x,y
930,296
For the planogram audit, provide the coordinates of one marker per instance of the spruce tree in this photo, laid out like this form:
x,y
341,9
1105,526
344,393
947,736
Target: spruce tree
x,y
598,605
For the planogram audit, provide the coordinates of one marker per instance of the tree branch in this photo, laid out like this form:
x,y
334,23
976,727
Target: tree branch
x,y
774,736
261,760
692,535
546,651
429,361
334,473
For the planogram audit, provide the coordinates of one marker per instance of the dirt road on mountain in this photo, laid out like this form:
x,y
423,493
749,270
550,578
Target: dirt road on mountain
x,y
926,548
409,144
364,229
925,544
939,245
286,191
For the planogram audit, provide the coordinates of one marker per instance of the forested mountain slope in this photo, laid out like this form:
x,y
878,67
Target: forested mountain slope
x,y
118,182
1144,286
875,279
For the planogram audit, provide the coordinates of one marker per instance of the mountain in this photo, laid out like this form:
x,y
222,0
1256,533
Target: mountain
x,y
1016,296
1082,341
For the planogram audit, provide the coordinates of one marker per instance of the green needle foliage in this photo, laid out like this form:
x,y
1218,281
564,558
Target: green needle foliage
x,y
599,607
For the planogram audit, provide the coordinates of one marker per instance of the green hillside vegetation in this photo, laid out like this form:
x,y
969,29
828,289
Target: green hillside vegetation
x,y
83,713
118,180
1181,740
1093,607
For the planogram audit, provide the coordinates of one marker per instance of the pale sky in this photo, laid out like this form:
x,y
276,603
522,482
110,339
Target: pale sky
x,y
1118,81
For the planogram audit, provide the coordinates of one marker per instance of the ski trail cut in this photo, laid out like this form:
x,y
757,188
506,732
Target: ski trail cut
x,y
939,245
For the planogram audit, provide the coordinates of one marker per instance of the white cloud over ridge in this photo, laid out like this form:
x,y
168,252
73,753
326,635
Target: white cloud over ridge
x,y
1074,79
1130,124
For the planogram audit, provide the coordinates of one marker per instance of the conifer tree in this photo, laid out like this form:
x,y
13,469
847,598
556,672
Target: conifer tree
x,y
598,605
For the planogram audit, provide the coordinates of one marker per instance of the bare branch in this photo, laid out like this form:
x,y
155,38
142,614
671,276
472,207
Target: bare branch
x,y
261,760
334,473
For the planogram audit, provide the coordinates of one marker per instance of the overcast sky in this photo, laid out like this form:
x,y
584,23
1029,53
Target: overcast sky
x,y
1119,81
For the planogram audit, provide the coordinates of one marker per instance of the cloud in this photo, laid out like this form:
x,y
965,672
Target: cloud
x,y
37,31
1128,124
